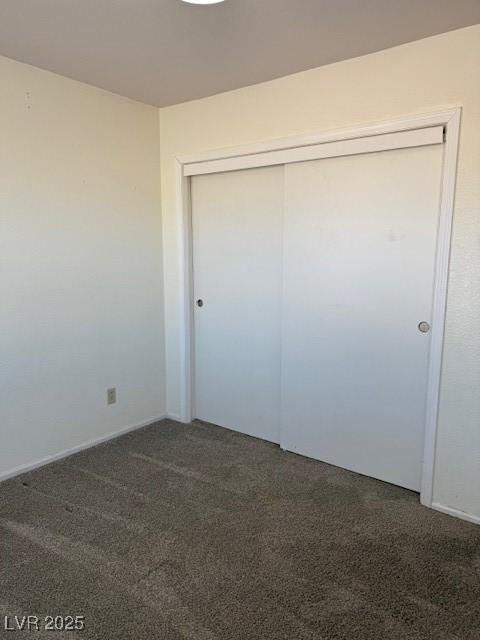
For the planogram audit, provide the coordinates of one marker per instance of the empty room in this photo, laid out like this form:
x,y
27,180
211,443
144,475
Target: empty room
x,y
240,319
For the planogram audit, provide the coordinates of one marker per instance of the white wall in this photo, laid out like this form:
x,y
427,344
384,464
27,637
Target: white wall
x,y
415,78
80,264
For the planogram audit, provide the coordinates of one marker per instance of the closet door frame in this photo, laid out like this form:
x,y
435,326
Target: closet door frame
x,y
290,149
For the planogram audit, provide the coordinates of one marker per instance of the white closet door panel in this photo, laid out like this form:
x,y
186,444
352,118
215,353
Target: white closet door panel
x,y
359,252
237,235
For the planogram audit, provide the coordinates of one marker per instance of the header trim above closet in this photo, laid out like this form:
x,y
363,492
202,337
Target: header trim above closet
x,y
353,146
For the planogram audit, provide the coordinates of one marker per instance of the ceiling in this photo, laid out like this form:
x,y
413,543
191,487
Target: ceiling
x,y
165,51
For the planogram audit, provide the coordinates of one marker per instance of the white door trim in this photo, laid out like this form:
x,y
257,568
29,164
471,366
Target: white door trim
x,y
352,146
449,119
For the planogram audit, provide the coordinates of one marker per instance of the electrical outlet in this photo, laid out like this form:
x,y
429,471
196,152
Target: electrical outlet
x,y
111,395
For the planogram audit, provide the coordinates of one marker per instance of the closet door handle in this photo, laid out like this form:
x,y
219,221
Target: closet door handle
x,y
424,326
199,302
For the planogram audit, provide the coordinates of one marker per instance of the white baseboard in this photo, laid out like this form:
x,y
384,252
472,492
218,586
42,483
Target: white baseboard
x,y
456,513
23,468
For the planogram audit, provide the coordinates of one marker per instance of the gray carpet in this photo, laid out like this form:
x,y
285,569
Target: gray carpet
x,y
199,533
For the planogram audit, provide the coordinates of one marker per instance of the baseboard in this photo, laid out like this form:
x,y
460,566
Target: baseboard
x,y
456,513
68,452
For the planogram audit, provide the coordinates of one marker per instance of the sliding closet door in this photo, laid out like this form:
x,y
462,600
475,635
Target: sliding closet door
x,y
359,253
237,253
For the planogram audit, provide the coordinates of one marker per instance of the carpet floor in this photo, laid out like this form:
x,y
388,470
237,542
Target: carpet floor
x,y
195,532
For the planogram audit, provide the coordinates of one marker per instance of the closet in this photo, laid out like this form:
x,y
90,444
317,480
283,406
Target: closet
x,y
313,281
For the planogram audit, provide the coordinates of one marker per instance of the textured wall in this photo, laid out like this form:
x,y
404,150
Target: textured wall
x,y
415,78
80,264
